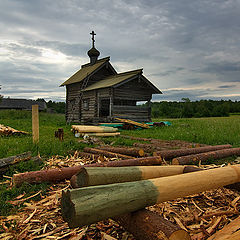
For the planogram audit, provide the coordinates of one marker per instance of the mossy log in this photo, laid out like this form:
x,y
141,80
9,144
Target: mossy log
x,y
170,154
93,176
130,151
105,153
147,225
229,232
83,206
206,156
57,175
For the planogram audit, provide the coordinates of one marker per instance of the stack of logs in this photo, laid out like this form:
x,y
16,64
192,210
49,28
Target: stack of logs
x,y
122,189
99,131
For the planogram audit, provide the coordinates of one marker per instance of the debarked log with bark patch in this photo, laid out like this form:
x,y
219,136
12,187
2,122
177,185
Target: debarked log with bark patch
x,y
93,176
57,175
170,154
147,225
206,156
87,205
134,152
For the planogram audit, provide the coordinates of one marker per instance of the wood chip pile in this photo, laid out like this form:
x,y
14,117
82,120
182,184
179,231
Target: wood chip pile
x,y
8,131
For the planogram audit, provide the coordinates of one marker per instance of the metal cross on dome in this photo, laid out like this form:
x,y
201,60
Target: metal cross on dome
x,y
93,40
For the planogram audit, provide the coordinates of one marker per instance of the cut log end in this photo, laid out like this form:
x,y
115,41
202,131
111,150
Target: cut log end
x,y
180,234
175,162
67,208
81,179
141,152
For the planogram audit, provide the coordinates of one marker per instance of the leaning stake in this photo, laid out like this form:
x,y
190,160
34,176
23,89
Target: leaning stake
x,y
147,225
205,156
57,175
87,205
93,176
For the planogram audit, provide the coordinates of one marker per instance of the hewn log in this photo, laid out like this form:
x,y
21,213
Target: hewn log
x,y
205,156
83,206
105,153
57,175
93,176
170,154
147,225
134,152
93,129
105,134
229,232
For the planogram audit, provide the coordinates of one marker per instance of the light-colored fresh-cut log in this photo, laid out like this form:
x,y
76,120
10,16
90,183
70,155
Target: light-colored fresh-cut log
x,y
229,232
93,176
147,225
205,156
135,152
105,153
83,206
142,125
92,129
170,154
105,134
57,175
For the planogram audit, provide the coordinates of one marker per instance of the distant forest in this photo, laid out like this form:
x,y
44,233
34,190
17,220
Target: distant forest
x,y
188,109
184,109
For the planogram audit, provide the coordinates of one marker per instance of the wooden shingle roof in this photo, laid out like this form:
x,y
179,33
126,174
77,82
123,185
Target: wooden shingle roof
x,y
85,71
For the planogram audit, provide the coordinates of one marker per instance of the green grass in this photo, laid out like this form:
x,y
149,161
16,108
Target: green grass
x,y
213,131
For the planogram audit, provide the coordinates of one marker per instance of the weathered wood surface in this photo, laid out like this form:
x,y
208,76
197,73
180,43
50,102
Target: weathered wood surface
x,y
105,153
229,232
57,175
218,154
134,152
87,205
35,124
93,176
170,154
147,225
142,125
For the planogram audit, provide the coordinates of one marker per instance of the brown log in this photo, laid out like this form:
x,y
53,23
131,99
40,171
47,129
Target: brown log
x,y
134,152
57,175
229,232
147,225
148,147
170,154
136,138
205,156
105,153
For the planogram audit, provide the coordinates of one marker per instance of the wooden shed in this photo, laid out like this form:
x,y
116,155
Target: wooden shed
x,y
97,93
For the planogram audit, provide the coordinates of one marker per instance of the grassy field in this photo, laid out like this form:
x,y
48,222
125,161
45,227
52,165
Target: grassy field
x,y
211,131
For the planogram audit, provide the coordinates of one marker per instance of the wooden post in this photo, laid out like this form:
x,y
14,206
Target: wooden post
x,y
35,124
87,205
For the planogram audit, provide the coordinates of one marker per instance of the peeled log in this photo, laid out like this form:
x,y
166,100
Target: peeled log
x,y
83,206
147,225
93,176
170,154
57,175
93,129
229,232
105,153
135,152
205,156
105,134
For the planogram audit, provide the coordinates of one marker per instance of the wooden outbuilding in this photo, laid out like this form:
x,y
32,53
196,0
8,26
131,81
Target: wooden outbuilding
x,y
97,93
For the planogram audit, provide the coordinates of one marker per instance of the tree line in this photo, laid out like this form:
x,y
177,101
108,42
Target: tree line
x,y
189,109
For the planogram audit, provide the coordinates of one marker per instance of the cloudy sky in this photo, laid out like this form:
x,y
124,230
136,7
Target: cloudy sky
x,y
187,48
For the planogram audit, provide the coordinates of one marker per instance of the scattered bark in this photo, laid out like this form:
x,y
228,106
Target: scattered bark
x,y
205,156
147,225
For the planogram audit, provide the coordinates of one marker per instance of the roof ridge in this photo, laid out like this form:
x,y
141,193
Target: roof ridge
x,y
99,60
129,72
